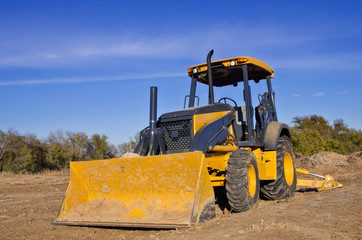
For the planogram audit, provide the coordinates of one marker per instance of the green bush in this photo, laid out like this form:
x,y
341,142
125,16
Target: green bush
x,y
312,134
20,154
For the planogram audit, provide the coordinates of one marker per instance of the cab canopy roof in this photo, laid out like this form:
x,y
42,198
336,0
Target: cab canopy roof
x,y
229,71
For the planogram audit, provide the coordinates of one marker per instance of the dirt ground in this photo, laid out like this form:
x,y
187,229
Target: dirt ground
x,y
29,203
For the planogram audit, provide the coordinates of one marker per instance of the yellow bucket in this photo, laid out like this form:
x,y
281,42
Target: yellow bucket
x,y
164,191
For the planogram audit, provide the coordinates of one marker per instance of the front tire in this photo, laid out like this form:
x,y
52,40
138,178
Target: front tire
x,y
285,184
242,180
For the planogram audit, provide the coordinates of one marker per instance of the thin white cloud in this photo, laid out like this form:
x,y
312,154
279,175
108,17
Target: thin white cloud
x,y
296,95
263,41
190,45
342,92
87,79
130,48
319,94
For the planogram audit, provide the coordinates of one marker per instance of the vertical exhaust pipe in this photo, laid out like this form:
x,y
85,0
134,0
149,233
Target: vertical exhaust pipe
x,y
153,121
209,74
151,139
153,108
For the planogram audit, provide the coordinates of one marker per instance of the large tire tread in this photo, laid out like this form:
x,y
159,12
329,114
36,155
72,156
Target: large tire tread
x,y
237,188
279,189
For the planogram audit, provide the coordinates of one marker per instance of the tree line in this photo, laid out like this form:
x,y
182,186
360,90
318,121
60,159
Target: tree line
x,y
313,134
27,153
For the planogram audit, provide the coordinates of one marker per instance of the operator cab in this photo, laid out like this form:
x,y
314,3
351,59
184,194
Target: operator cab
x,y
233,71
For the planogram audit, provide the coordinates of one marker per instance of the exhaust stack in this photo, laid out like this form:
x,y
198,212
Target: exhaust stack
x,y
153,121
151,138
209,74
153,108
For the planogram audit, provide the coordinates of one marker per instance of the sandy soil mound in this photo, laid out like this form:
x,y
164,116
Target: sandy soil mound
x,y
328,161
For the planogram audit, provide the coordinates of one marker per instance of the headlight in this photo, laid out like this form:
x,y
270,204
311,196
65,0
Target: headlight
x,y
195,70
232,63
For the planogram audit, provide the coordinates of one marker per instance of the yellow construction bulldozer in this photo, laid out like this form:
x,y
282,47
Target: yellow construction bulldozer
x,y
169,180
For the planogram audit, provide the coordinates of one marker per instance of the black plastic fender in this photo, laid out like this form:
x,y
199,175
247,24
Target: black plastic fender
x,y
273,131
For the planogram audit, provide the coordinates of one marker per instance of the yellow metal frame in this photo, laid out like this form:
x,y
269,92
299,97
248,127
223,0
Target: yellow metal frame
x,y
267,164
217,163
206,118
328,181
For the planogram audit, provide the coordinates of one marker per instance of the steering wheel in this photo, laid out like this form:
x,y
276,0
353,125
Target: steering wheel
x,y
226,98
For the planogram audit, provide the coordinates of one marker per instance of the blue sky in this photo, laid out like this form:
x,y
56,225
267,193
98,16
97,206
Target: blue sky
x,y
88,65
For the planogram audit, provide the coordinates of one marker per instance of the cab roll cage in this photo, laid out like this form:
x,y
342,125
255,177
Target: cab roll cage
x,y
246,93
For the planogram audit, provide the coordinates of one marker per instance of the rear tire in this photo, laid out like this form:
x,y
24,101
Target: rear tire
x,y
242,180
285,184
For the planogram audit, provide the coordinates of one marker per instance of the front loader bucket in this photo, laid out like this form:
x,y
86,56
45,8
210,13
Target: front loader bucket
x,y
164,191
